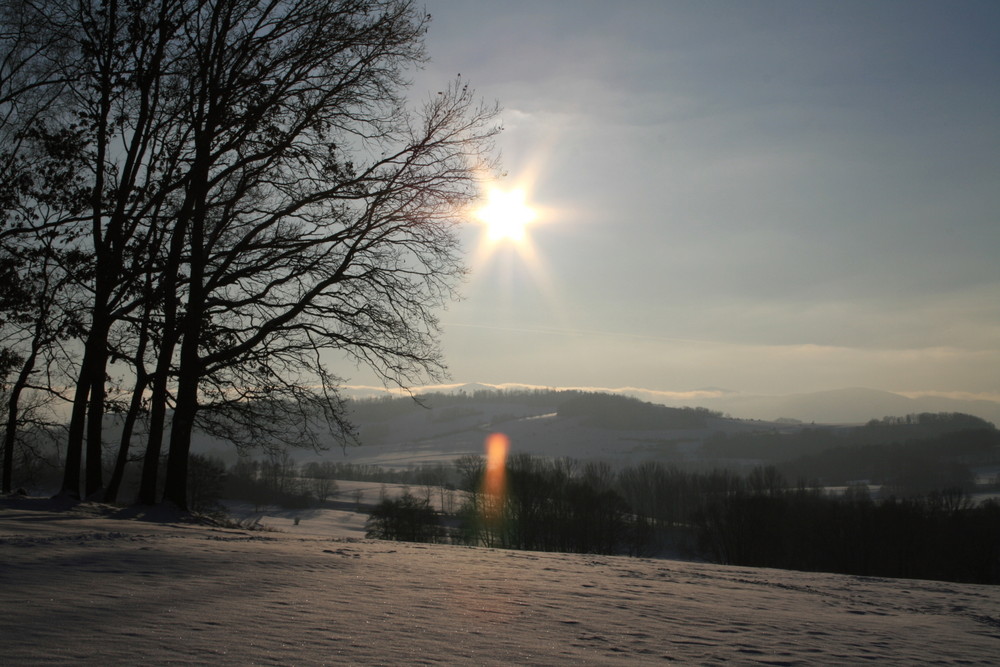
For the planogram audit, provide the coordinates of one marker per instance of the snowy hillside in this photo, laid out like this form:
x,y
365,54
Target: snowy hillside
x,y
81,587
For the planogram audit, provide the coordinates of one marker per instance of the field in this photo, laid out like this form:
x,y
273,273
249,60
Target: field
x,y
96,585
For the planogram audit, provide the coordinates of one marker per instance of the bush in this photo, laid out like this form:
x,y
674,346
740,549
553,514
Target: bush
x,y
206,479
407,519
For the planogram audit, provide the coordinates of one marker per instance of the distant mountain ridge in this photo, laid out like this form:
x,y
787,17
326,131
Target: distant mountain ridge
x,y
397,432
838,406
447,423
845,406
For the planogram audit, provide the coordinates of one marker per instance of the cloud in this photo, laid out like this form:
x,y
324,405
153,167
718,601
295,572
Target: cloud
x,y
991,396
652,395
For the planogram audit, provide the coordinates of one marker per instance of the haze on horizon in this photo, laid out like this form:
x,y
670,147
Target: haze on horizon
x,y
767,197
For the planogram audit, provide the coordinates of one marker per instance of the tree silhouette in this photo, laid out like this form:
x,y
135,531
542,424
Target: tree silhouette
x,y
259,195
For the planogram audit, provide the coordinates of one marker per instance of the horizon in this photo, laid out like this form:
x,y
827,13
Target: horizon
x,y
743,406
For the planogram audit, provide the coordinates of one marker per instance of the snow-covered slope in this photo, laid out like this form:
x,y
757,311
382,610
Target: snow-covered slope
x,y
80,587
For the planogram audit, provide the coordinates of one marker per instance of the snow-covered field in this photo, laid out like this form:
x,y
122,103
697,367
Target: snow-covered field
x,y
99,586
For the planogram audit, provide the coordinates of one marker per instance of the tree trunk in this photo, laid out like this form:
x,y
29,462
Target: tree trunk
x,y
157,423
77,426
93,368
161,376
188,376
175,487
38,341
189,371
135,405
95,425
93,373
141,382
10,432
189,331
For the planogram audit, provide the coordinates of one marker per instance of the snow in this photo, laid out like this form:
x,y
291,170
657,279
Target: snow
x,y
97,585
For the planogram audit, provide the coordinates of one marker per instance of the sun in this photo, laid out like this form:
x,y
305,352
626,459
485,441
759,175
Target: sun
x,y
506,215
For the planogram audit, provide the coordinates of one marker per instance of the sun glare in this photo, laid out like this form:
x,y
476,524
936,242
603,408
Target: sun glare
x,y
506,215
505,250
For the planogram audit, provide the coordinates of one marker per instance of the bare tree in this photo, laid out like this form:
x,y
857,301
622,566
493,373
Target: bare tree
x,y
321,217
256,195
32,332
103,125
322,479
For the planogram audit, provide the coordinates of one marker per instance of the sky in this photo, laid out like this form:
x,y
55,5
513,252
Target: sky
x,y
762,197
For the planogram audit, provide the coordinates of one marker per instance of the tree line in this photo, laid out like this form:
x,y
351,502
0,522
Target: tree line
x,y
548,505
911,455
757,518
204,206
754,519
780,445
942,535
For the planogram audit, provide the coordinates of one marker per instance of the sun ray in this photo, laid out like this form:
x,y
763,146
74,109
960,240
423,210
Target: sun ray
x,y
506,260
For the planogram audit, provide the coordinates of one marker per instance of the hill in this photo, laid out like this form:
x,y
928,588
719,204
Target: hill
x,y
844,406
439,427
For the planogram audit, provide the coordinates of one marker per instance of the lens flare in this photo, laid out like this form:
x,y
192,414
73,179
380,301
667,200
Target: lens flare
x,y
495,482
